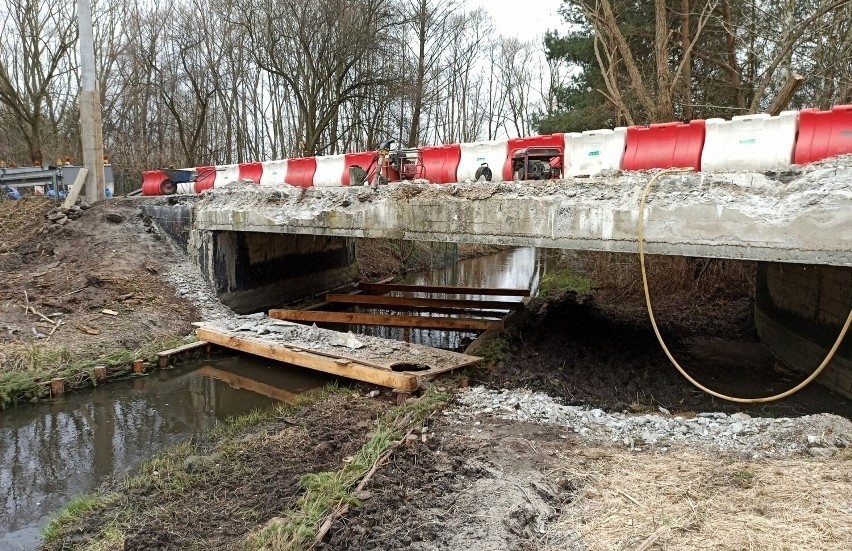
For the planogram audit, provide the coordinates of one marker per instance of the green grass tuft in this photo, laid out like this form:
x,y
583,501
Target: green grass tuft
x,y
73,513
564,280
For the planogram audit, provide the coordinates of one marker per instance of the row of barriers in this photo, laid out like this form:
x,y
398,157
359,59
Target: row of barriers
x,y
746,143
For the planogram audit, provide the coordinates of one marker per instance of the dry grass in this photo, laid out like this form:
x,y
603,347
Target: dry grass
x,y
690,501
700,277
19,220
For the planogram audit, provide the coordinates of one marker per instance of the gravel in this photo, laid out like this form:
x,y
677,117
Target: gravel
x,y
819,435
361,347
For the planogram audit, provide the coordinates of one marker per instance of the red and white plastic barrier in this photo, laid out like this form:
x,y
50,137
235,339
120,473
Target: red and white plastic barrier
x,y
752,142
593,151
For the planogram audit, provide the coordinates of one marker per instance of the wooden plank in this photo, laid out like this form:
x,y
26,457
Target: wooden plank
x,y
369,374
423,322
388,287
468,312
164,358
182,348
71,198
436,303
321,305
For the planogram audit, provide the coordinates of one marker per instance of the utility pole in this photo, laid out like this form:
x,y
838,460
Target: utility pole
x,y
91,126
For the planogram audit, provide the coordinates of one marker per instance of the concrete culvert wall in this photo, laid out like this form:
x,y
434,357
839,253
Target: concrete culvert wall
x,y
253,271
799,311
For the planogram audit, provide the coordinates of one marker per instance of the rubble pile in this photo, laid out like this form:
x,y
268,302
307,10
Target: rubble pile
x,y
59,216
820,435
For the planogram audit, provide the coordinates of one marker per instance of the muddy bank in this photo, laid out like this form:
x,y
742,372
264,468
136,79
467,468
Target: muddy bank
x,y
597,348
107,286
212,495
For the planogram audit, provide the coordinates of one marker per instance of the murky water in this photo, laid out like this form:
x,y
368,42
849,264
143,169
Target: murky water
x,y
520,268
54,451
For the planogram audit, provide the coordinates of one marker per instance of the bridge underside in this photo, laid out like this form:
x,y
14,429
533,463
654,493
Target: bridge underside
x,y
801,216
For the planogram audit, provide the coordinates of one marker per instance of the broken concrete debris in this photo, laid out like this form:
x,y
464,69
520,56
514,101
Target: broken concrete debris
x,y
819,435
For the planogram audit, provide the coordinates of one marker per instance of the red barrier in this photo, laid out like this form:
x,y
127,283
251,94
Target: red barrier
x,y
205,178
668,145
516,144
823,134
300,172
251,171
440,163
155,182
360,159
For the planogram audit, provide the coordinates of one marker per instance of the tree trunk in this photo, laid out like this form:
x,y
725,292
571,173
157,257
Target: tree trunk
x,y
664,111
685,39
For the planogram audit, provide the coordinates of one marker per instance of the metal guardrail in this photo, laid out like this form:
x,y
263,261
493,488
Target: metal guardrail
x,y
13,178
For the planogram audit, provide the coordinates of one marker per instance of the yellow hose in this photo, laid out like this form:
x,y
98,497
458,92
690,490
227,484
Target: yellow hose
x,y
683,372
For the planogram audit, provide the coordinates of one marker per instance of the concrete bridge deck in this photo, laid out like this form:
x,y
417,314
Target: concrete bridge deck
x,y
801,216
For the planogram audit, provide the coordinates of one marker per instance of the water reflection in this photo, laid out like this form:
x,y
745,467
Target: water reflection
x,y
520,268
52,452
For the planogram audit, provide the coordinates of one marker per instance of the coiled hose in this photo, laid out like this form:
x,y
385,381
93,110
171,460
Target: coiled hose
x,y
671,358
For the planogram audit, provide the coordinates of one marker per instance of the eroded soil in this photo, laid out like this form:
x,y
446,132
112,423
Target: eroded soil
x,y
477,490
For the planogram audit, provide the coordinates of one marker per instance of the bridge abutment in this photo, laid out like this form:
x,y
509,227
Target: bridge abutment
x,y
799,311
253,271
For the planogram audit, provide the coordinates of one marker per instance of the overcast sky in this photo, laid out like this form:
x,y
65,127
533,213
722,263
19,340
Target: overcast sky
x,y
526,20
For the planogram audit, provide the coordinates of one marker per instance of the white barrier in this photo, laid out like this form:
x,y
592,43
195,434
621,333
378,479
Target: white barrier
x,y
750,142
329,172
473,155
593,151
226,174
274,173
186,188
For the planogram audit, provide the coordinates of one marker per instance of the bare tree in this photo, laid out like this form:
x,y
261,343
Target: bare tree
x,y
36,51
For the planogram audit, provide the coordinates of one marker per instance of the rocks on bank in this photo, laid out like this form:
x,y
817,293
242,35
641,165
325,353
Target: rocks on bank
x,y
819,435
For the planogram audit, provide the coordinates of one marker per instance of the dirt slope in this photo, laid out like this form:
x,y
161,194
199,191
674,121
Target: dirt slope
x,y
108,258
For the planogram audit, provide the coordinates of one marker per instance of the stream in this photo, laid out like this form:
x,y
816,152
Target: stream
x,y
55,450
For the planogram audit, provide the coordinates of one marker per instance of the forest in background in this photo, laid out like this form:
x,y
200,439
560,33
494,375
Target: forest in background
x,y
197,82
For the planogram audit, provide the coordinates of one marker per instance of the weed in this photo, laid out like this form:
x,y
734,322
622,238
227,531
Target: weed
x,y
110,539
562,281
493,348
743,478
73,513
165,472
25,366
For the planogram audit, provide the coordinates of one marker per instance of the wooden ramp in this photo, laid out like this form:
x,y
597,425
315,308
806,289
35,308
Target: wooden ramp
x,y
401,373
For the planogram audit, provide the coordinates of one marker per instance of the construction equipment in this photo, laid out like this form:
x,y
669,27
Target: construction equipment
x,y
388,166
537,163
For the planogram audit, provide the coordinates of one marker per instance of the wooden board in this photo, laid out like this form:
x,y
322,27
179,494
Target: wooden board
x,y
276,351
182,348
422,322
71,198
468,312
431,303
388,287
343,366
165,357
